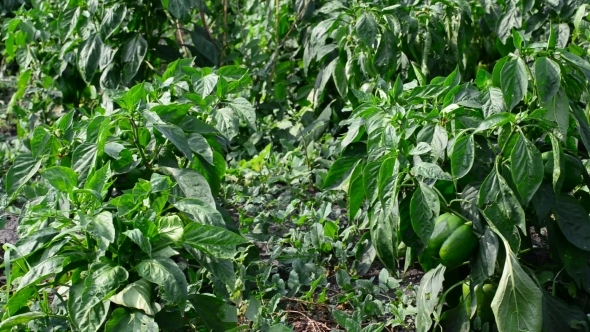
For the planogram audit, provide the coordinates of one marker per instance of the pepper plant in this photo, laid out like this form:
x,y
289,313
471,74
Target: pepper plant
x,y
119,221
505,156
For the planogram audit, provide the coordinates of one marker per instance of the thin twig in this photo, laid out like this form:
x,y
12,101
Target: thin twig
x,y
314,323
206,27
180,39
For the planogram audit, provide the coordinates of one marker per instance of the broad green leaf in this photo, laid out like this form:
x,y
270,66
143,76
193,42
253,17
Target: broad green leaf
x,y
113,16
245,110
36,240
199,145
340,79
130,321
192,184
517,304
41,140
83,160
226,122
214,312
547,78
101,227
18,299
171,132
573,221
424,209
514,82
384,240
21,171
20,320
371,180
103,279
138,238
430,171
61,178
43,270
136,295
557,314
558,112
171,227
133,96
199,234
133,52
427,297
494,121
181,9
484,263
558,163
89,56
367,28
386,56
166,274
511,18
583,127
356,191
339,173
86,312
99,179
200,211
462,156
527,169
222,269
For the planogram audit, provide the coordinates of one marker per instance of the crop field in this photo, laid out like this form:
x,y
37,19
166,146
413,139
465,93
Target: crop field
x,y
295,165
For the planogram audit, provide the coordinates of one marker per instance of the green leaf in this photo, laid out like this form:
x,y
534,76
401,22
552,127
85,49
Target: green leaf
x,y
87,312
133,96
557,315
133,52
138,238
20,320
103,279
245,110
367,28
558,112
99,179
136,295
181,9
197,234
43,270
573,221
215,313
371,180
547,78
494,121
340,79
171,132
192,184
226,122
200,211
511,18
112,19
424,209
83,160
166,274
527,169
430,171
101,227
130,321
462,156
484,263
517,304
583,127
21,171
386,55
339,173
171,227
89,56
62,178
427,297
356,192
199,145
514,82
